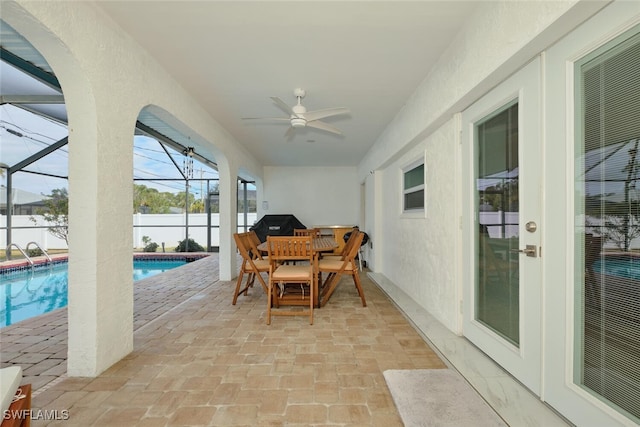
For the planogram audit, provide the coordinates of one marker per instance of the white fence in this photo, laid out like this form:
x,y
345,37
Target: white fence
x,y
160,228
503,225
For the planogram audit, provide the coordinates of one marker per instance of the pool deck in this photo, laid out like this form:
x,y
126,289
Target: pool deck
x,y
199,360
39,344
38,260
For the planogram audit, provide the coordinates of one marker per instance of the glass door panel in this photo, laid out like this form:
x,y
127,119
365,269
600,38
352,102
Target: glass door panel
x,y
497,197
607,360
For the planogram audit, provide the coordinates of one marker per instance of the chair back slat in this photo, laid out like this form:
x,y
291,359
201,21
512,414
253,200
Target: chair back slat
x,y
289,248
313,232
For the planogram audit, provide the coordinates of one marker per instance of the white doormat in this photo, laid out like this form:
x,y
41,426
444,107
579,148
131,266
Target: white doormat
x,y
438,397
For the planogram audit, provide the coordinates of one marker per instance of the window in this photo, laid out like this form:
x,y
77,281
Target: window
x,y
608,221
413,187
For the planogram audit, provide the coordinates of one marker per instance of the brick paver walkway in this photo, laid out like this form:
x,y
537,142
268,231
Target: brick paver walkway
x,y
198,360
39,344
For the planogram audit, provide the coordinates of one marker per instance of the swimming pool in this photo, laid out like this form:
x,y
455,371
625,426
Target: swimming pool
x,y
627,267
30,292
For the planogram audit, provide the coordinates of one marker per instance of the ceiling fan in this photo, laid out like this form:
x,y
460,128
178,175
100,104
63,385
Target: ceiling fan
x,y
299,117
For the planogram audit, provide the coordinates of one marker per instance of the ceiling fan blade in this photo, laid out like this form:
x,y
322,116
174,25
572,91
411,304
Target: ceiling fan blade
x,y
328,112
289,133
324,126
280,103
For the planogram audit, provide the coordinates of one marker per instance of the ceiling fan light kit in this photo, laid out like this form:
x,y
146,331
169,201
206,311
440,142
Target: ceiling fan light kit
x,y
299,117
298,122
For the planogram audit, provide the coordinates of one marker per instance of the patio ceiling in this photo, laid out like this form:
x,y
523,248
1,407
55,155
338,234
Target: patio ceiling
x,y
233,56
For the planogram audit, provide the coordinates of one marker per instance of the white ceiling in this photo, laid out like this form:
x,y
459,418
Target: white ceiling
x,y
233,56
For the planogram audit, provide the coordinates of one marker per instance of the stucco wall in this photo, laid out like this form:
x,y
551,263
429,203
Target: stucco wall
x,y
421,257
420,252
316,196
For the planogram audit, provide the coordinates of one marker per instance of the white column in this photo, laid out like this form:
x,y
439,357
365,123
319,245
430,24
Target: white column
x,y
102,114
378,210
100,244
228,219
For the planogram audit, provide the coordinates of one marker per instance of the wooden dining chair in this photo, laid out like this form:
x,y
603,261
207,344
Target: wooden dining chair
x,y
336,268
313,232
252,265
290,284
345,249
254,241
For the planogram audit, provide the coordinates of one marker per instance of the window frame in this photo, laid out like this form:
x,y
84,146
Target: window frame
x,y
417,212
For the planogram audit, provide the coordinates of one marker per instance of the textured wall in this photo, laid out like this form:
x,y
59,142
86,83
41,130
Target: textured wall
x,y
420,252
316,196
421,256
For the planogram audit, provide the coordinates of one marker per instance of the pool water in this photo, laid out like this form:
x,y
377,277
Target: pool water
x,y
626,267
36,291
143,269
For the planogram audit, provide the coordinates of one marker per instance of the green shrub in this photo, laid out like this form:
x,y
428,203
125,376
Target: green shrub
x,y
151,247
34,252
193,246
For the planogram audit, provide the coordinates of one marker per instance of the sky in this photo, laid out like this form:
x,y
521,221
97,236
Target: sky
x,y
23,134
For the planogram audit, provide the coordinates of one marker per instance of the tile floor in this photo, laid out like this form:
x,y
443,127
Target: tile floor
x,y
198,360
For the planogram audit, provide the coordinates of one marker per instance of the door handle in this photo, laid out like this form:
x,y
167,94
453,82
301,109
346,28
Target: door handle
x,y
529,250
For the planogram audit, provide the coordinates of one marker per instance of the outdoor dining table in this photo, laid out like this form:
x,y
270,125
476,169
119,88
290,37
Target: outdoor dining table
x,y
320,244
